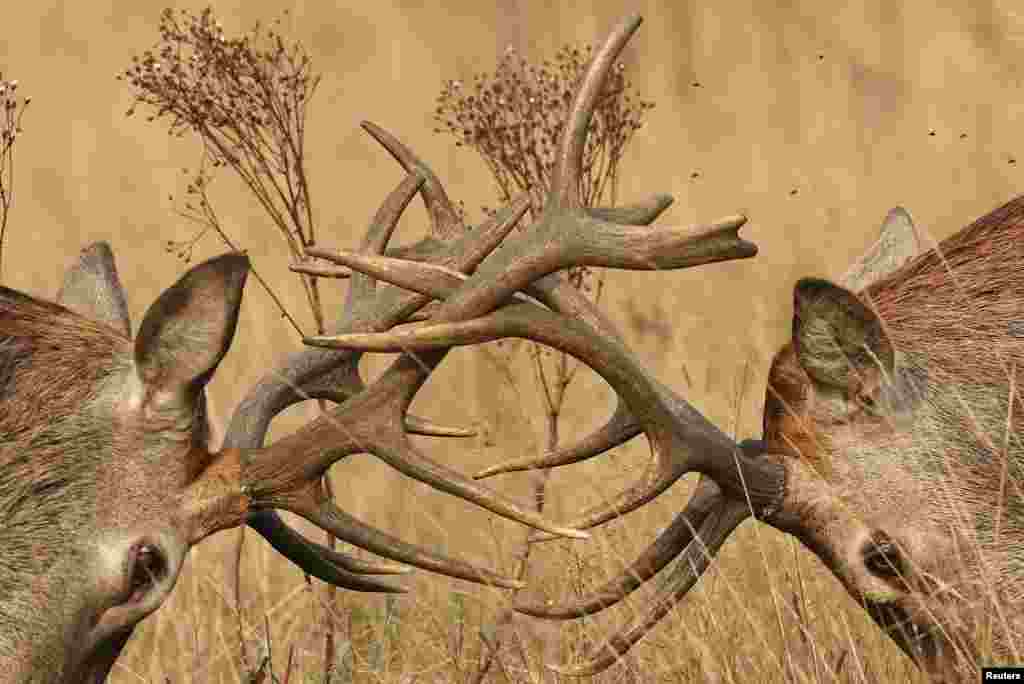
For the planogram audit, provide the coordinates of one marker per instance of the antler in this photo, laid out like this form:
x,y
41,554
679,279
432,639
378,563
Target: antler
x,y
484,307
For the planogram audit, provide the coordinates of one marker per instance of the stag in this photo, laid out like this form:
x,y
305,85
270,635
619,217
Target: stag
x,y
903,392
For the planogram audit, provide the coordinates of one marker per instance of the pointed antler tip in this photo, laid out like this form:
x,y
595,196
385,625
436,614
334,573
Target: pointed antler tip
x,y
567,670
487,472
632,20
536,537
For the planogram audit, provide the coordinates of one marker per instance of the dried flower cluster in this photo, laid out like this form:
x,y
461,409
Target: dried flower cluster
x,y
246,98
12,109
513,118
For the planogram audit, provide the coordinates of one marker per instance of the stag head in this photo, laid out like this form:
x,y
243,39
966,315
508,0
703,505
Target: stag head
x,y
896,411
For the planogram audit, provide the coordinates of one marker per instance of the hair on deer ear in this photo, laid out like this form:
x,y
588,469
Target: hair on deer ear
x,y
93,289
836,336
189,328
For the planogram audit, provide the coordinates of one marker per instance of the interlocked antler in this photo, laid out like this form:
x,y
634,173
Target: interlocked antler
x,y
368,419
484,307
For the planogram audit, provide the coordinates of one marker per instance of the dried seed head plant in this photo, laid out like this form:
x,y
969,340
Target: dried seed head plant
x,y
514,116
513,119
12,109
246,100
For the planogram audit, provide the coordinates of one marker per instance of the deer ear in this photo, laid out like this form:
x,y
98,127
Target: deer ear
x,y
898,242
93,289
838,340
189,328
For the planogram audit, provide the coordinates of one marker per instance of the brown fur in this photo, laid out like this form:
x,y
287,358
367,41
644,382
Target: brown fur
x,y
963,306
51,364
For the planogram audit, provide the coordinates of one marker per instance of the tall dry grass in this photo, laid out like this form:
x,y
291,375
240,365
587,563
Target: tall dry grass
x,y
766,611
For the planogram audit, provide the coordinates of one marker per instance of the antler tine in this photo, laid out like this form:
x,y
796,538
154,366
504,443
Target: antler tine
x,y
661,472
339,394
320,270
716,528
619,429
569,159
432,280
326,564
428,428
640,213
444,221
672,541
382,227
468,252
327,516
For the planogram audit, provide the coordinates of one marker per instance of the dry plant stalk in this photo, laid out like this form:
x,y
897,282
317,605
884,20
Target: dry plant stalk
x,y
246,100
12,109
513,118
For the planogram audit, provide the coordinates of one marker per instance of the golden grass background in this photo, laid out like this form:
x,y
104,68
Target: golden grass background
x,y
811,118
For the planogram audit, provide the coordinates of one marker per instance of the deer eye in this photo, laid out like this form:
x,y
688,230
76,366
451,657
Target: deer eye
x,y
882,557
148,567
867,402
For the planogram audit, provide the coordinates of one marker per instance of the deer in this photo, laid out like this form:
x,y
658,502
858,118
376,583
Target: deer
x,y
890,443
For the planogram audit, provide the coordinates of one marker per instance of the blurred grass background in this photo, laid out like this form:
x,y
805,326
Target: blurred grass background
x,y
813,119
